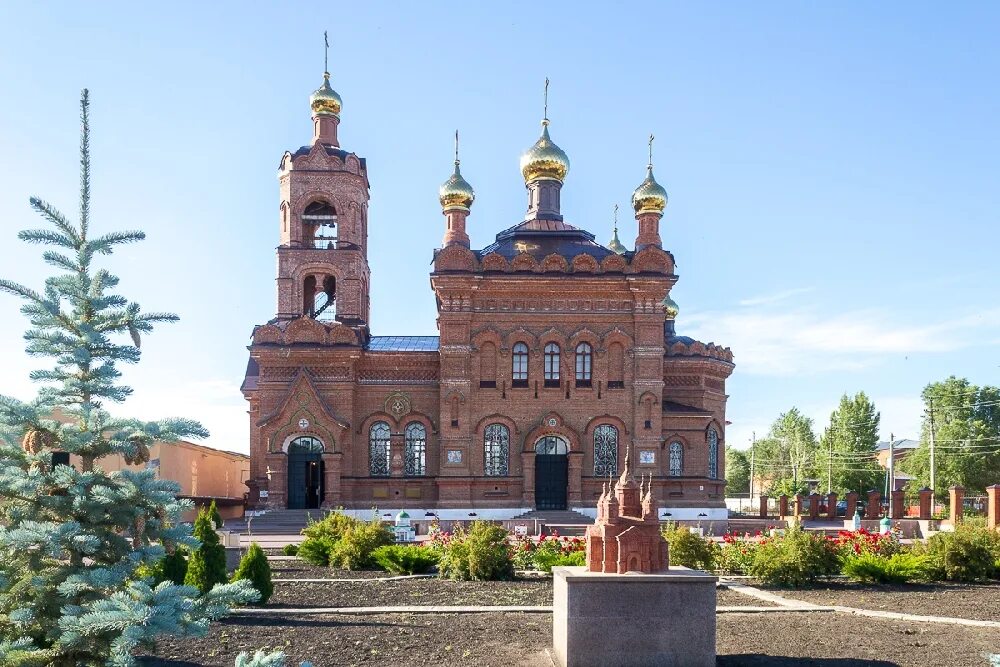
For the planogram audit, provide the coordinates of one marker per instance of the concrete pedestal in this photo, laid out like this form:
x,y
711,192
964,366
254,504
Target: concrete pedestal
x,y
611,620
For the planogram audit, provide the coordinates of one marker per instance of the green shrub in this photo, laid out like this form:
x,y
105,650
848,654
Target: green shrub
x,y
316,550
207,565
254,568
322,537
794,559
290,549
899,568
405,559
354,549
174,567
969,553
482,553
735,556
690,549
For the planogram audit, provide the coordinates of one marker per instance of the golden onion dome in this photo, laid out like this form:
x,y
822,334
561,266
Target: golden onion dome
x,y
544,159
650,196
616,245
670,308
456,192
325,101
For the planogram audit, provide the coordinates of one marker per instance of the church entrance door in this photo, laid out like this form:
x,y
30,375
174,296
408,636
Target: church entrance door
x,y
305,473
551,473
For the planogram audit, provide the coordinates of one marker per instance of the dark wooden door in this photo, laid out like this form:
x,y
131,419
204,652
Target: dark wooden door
x,y
551,478
305,480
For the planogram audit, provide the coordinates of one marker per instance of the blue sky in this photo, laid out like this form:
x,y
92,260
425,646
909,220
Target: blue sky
x,y
832,171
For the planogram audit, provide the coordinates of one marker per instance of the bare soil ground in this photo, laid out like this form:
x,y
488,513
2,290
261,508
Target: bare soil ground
x,y
820,639
974,601
422,592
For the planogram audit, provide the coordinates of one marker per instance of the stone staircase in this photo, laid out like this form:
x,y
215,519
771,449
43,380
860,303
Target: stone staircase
x,y
275,522
567,522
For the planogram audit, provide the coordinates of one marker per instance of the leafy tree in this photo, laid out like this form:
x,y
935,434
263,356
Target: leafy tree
x,y
207,565
966,421
255,569
847,451
737,470
786,458
72,538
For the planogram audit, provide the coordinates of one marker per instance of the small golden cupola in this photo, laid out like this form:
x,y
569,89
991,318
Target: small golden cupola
x,y
650,196
325,101
544,160
616,246
670,308
456,191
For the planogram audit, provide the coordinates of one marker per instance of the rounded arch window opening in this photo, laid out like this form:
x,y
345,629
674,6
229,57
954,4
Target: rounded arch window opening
x,y
551,444
305,444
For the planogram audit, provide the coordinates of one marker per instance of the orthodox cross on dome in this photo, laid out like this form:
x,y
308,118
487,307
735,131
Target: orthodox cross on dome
x,y
456,148
616,218
545,104
650,163
326,53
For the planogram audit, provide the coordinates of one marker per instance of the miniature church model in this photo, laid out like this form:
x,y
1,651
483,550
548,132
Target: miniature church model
x,y
626,536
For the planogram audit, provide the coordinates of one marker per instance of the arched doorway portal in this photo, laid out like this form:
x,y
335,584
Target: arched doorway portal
x,y
551,472
305,473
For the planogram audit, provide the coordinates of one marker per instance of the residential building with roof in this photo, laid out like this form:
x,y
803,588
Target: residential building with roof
x,y
555,353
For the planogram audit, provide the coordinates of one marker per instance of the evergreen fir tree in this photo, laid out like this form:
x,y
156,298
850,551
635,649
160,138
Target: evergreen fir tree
x,y
207,564
73,537
174,567
215,515
255,569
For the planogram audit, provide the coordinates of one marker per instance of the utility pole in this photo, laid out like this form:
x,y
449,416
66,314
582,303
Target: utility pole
x,y
930,410
829,468
753,447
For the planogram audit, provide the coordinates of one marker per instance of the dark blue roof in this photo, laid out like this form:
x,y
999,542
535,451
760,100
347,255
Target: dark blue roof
x,y
403,344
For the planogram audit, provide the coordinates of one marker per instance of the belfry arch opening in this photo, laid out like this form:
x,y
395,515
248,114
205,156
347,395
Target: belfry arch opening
x,y
319,222
318,297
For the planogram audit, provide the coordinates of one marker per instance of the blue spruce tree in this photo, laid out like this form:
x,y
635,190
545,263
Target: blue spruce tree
x,y
72,537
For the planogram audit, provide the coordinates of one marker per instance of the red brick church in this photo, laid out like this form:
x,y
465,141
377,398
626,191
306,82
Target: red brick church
x,y
555,353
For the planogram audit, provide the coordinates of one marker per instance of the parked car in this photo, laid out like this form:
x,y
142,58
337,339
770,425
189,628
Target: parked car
x,y
841,508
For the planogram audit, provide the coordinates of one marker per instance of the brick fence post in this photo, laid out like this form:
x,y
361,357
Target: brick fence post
x,y
813,506
852,505
925,503
896,500
874,509
798,505
763,507
831,506
993,507
957,500
782,506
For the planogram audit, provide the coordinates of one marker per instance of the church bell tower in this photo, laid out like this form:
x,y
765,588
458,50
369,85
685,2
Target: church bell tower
x,y
323,268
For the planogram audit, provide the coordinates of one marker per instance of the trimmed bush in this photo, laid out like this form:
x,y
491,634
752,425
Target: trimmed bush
x,y
254,568
690,549
794,559
207,565
354,549
290,549
174,567
736,555
898,568
316,550
970,553
482,553
405,559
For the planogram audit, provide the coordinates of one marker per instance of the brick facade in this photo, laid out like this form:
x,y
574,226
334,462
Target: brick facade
x,y
326,379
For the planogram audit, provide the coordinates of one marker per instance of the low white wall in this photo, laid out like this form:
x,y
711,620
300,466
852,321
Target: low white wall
x,y
442,514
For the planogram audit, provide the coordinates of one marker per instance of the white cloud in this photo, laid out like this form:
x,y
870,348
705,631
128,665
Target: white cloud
x,y
807,340
775,297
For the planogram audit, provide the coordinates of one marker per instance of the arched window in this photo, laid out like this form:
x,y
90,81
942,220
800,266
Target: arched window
x,y
320,225
552,365
713,453
415,463
378,450
676,459
605,450
616,366
305,445
496,441
519,365
551,444
488,365
584,357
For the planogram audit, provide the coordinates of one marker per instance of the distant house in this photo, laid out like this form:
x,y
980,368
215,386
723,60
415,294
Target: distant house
x,y
900,450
